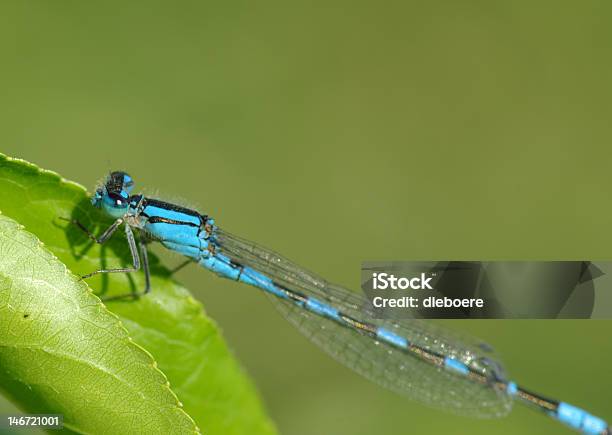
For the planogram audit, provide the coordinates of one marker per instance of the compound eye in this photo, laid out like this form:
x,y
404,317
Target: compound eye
x,y
117,200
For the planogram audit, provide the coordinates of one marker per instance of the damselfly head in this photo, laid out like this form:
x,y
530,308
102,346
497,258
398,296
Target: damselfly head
x,y
113,196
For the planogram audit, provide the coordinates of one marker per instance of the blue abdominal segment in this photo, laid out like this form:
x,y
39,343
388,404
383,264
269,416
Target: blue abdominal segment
x,y
580,419
392,338
457,366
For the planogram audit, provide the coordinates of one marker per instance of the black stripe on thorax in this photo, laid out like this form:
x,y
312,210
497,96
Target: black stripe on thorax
x,y
160,219
168,206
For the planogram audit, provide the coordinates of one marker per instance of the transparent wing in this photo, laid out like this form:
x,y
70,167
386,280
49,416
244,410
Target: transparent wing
x,y
382,364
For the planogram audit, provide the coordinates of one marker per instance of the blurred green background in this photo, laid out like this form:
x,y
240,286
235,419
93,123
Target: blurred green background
x,y
336,132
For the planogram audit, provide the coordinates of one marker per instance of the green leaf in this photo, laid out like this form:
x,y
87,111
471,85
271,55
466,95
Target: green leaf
x,y
169,322
62,350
